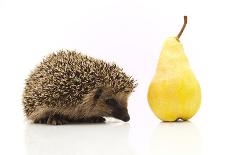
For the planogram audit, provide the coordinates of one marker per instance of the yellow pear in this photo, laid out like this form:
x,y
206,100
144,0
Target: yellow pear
x,y
174,93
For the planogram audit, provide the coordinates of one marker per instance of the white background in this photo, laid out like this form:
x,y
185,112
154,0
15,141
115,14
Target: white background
x,y
130,33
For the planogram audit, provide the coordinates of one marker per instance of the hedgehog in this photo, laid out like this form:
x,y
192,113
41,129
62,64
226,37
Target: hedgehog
x,y
70,87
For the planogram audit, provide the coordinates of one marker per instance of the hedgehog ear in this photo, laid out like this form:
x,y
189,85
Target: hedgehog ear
x,y
98,94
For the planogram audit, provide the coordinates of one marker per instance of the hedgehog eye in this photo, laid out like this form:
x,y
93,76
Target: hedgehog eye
x,y
111,102
98,94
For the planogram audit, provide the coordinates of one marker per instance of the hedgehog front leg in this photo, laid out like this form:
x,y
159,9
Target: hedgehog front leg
x,y
52,120
56,120
41,120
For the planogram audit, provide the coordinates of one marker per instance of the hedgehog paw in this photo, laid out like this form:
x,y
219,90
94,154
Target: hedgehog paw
x,y
56,120
96,120
41,121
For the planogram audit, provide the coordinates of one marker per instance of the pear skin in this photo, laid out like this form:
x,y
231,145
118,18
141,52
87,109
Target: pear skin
x,y
174,92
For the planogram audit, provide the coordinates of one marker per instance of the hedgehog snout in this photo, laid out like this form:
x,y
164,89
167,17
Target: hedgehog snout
x,y
118,111
121,113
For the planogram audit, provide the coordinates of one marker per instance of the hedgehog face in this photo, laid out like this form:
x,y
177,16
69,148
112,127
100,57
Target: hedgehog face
x,y
110,104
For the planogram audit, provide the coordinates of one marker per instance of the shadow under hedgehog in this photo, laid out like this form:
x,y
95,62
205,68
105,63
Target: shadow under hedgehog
x,y
69,87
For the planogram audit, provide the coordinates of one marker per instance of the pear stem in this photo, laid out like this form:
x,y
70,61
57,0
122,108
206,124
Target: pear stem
x,y
183,27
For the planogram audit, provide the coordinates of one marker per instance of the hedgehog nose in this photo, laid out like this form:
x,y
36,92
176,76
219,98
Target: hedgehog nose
x,y
126,118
